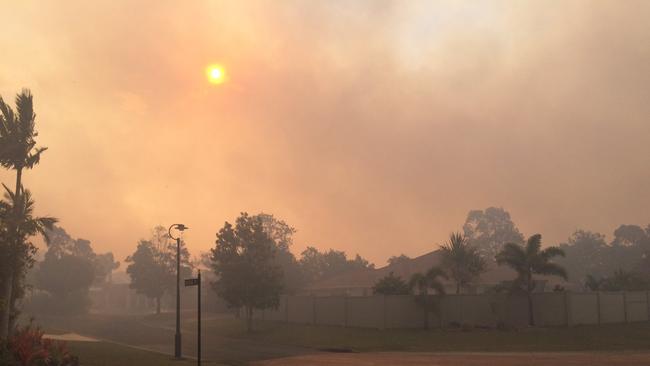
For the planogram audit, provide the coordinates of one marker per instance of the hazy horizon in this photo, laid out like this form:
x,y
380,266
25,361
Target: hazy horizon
x,y
371,127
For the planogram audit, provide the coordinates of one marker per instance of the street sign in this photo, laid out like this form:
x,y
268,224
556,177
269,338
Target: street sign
x,y
191,282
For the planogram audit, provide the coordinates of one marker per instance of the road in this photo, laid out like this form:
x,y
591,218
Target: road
x,y
463,359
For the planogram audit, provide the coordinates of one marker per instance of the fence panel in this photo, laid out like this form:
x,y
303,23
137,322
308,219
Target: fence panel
x,y
612,307
330,310
584,308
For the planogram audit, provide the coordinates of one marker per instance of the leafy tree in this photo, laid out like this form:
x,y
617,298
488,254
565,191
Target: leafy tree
x,y
420,284
529,261
61,244
318,265
18,151
67,278
629,245
488,230
397,260
152,267
462,261
282,235
104,265
586,253
150,273
18,225
621,280
243,260
391,285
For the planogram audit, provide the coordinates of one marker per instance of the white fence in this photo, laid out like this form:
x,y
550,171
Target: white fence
x,y
487,310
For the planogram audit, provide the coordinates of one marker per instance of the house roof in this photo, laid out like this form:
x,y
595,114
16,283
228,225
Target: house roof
x,y
366,278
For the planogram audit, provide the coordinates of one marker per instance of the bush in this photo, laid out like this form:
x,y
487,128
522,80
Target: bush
x,y
75,302
28,348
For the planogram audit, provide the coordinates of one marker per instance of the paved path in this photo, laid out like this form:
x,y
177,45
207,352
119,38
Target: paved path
x,y
463,359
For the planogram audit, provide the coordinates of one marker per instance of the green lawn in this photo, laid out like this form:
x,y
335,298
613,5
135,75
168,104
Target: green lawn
x,y
227,331
110,354
618,337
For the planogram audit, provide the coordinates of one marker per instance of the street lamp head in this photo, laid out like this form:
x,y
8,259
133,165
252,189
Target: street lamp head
x,y
179,227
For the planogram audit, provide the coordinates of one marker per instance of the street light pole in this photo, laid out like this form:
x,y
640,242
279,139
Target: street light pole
x,y
177,335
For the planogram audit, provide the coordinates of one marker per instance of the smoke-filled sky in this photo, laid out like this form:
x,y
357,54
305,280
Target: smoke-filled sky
x,y
370,126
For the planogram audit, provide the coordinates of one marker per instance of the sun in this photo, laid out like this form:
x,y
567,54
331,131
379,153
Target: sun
x,y
216,74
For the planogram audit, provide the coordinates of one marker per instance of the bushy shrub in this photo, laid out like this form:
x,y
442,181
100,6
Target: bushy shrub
x,y
28,348
75,302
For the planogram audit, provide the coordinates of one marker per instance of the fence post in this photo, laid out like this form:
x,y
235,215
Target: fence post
x,y
625,305
345,310
647,303
384,312
598,306
567,308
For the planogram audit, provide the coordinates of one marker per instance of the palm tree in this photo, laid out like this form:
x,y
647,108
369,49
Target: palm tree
x,y
462,261
528,261
18,151
420,285
17,211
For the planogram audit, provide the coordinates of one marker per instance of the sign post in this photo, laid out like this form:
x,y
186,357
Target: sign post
x,y
197,282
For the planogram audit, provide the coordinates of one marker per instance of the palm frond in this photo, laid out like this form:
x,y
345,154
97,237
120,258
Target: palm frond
x,y
551,252
551,269
534,245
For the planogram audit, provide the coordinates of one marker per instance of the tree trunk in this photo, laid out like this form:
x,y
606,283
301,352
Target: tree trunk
x,y
457,288
249,319
9,280
6,304
529,293
158,305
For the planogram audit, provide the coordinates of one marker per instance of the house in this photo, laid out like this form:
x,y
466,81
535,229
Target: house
x,y
360,282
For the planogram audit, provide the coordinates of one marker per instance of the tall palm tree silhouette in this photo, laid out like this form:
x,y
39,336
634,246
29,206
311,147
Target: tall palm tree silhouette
x,y
18,151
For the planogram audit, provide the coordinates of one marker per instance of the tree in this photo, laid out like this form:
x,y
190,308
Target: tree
x,y
243,261
152,267
282,235
420,284
149,271
391,285
18,151
529,261
67,278
61,244
398,260
104,265
488,230
461,261
586,253
620,280
629,245
318,265
19,224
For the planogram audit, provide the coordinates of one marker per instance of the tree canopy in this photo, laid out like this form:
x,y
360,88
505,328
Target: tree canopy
x,y
488,230
462,261
152,267
528,261
391,285
243,261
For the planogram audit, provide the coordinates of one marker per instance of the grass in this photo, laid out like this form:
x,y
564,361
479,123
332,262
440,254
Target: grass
x,y
136,329
614,337
110,354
